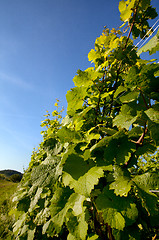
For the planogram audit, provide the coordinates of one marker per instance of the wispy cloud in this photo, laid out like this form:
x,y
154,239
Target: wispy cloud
x,y
20,139
15,116
16,81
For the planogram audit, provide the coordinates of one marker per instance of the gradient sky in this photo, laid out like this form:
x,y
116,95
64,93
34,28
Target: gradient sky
x,y
42,45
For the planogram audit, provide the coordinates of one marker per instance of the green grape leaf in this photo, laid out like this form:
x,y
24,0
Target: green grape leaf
x,y
75,166
120,90
85,184
145,183
83,78
19,223
61,204
71,237
106,94
116,211
114,43
122,183
86,78
110,214
93,55
116,148
77,226
121,187
130,213
66,120
46,173
45,226
122,6
31,234
75,98
126,117
153,122
152,46
23,203
154,130
125,8
35,199
153,113
58,209
102,39
67,135
114,218
59,200
129,97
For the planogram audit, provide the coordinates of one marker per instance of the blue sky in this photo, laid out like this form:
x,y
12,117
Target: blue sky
x,y
42,45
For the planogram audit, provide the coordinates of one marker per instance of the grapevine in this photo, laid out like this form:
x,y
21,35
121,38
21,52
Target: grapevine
x,y
95,174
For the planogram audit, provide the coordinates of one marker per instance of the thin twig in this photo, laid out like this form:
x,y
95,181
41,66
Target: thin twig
x,y
144,100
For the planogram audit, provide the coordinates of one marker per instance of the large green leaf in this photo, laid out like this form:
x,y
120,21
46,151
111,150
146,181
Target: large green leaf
x,y
145,183
122,183
153,113
116,210
116,148
76,166
46,173
126,9
68,207
86,78
129,97
85,184
35,199
126,117
19,223
153,122
67,135
77,226
75,98
152,46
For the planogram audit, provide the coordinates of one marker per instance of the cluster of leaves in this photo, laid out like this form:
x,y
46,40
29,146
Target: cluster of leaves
x,y
94,176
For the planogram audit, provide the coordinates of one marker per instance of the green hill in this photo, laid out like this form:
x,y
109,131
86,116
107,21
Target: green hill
x,y
9,172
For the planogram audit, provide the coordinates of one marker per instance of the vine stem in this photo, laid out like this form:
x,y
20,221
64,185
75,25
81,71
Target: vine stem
x,y
154,237
110,232
144,100
135,12
141,139
118,71
138,143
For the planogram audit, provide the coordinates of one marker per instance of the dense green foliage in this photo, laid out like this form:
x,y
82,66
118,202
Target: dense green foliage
x,y
95,174
15,178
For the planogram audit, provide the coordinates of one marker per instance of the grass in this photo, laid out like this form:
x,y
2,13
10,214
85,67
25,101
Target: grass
x,y
7,188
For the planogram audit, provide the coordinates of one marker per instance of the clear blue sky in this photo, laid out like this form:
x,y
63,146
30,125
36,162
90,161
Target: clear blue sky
x,y
42,44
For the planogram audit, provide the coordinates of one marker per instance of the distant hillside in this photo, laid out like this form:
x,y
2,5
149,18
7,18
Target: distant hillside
x,y
9,172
